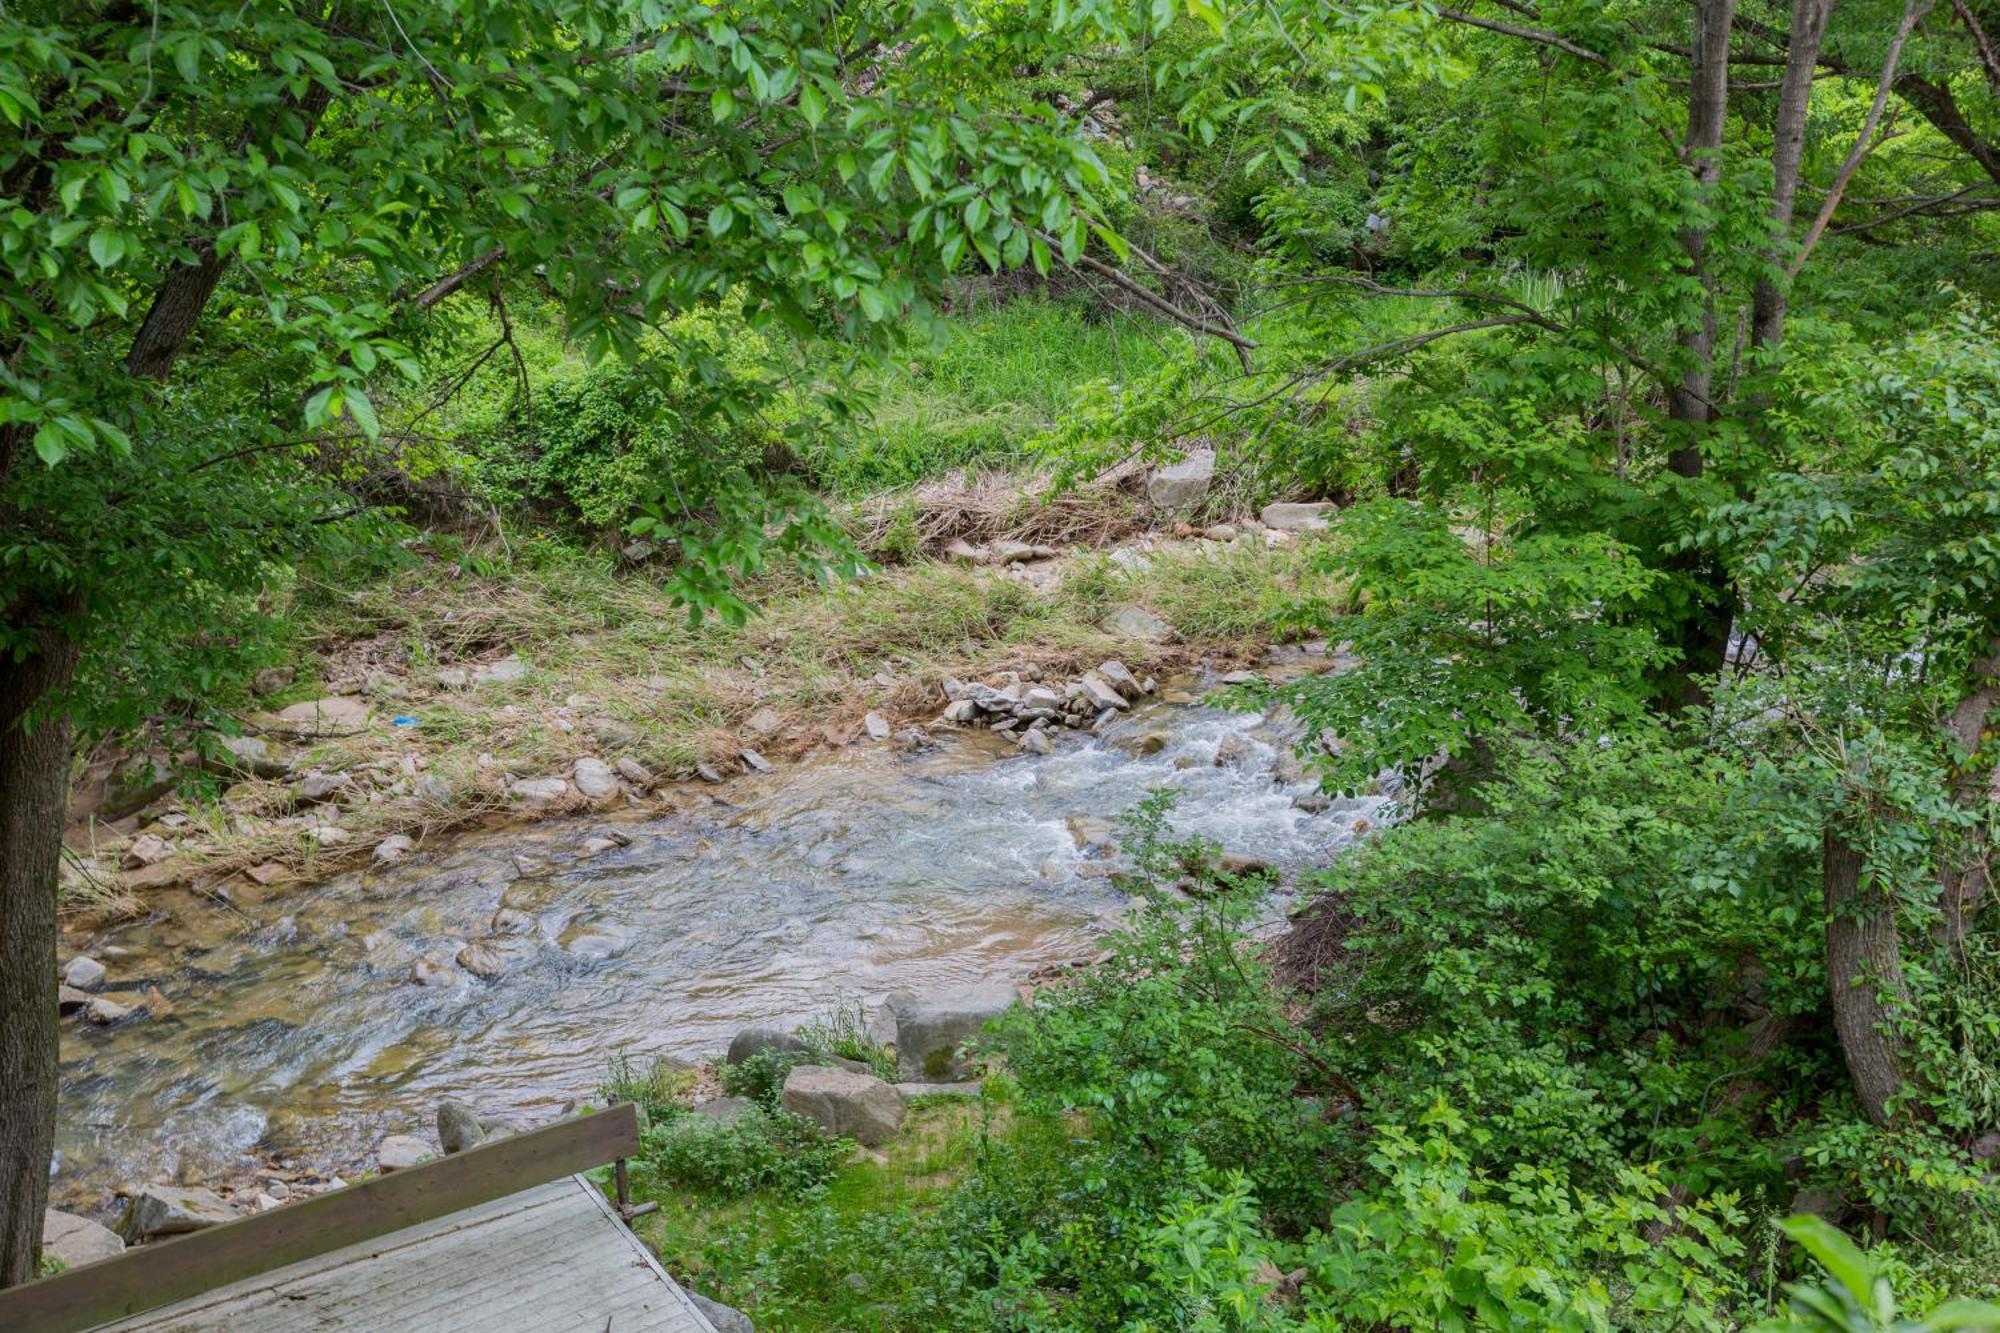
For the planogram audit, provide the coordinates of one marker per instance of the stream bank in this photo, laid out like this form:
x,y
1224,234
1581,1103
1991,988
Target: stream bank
x,y
291,1033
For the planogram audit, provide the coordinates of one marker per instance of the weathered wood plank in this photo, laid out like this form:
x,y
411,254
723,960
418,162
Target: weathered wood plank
x,y
159,1274
555,1257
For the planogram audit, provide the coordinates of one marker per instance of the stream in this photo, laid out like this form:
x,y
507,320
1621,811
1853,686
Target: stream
x,y
296,1031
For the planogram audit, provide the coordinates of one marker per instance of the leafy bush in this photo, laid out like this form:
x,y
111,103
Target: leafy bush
x,y
763,1150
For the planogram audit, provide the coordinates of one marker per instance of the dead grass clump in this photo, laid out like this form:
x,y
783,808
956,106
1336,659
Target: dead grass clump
x,y
996,506
1315,945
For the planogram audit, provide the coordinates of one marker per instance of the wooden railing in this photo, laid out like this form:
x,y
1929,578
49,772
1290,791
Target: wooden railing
x,y
149,1276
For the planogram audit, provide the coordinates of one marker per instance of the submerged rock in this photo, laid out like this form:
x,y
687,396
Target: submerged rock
x,y
595,938
852,1105
431,970
482,960
83,972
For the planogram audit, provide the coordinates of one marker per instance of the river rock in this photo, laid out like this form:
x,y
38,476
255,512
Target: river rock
x,y
329,835
763,722
1232,751
336,715
431,970
961,711
393,849
1220,532
172,1210
595,779
1036,741
458,1127
595,938
482,960
105,1012
512,921
1120,679
1136,622
877,726
272,679
755,762
930,1029
1182,483
1102,694
707,772
634,772
1312,802
69,999
400,1152
317,786
146,850
1296,517
506,671
253,756
754,1040
75,1241
855,1106
435,789
83,972
539,791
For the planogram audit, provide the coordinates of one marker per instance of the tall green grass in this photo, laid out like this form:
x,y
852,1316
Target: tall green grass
x,y
999,377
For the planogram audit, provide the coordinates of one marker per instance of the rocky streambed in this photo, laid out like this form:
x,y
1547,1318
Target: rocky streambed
x,y
299,1028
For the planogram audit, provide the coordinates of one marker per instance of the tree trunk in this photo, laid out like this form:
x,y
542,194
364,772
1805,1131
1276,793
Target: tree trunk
x,y
1702,639
1864,973
1788,142
34,783
1966,873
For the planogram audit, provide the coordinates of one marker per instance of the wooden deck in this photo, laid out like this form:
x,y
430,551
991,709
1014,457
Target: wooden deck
x,y
552,1257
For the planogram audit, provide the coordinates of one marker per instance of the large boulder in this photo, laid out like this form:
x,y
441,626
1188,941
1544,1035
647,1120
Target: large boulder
x,y
755,1040
930,1029
83,972
172,1210
1184,482
75,1241
854,1106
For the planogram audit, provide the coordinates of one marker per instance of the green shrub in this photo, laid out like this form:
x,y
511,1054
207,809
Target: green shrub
x,y
765,1150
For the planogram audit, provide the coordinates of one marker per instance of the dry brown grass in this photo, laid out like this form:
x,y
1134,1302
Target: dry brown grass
x,y
998,506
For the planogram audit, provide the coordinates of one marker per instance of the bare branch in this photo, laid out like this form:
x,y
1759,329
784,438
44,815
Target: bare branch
x,y
1541,35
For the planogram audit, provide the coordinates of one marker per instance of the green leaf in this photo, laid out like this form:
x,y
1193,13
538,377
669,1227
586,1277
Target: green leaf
x,y
721,104
49,443
1838,1255
720,219
363,412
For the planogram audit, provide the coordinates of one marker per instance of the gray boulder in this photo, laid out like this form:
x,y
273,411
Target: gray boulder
x,y
172,1210
755,1040
83,972
930,1029
1184,482
721,1317
75,1241
539,790
105,1012
595,779
855,1106
272,679
482,960
458,1127
1296,517
253,756
393,848
1136,622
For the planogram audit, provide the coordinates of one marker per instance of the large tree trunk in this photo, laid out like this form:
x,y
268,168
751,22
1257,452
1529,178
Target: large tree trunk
x,y
1966,873
1703,637
1864,973
34,783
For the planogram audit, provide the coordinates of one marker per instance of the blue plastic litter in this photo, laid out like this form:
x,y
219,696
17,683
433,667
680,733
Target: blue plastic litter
x,y
405,721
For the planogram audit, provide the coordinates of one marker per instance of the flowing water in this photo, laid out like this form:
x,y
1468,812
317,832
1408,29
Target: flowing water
x,y
296,1030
